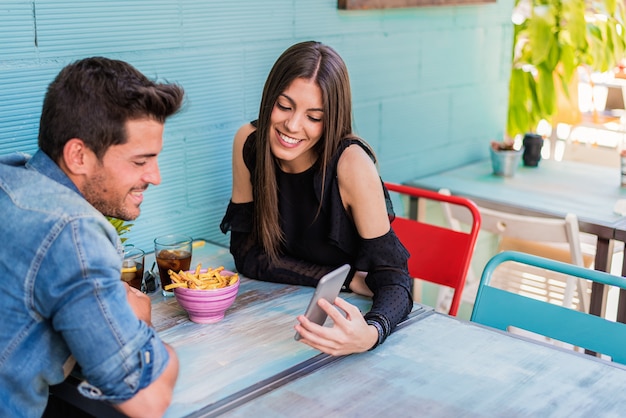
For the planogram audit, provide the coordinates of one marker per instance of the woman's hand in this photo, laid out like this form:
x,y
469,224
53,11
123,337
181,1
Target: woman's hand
x,y
349,334
140,302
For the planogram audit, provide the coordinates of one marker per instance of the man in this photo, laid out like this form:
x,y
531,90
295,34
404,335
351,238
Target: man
x,y
62,298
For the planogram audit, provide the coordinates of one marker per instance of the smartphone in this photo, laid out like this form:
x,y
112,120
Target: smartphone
x,y
328,288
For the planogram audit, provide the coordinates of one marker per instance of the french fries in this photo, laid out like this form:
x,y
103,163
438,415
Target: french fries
x,y
210,279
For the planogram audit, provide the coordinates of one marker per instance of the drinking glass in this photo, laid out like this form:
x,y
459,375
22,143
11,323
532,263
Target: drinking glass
x,y
132,266
172,252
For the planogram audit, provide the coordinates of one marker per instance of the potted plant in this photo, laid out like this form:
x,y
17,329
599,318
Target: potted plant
x,y
505,157
120,226
551,40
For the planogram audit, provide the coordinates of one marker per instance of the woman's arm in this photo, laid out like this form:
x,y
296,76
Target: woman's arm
x,y
362,193
382,257
253,262
363,198
242,186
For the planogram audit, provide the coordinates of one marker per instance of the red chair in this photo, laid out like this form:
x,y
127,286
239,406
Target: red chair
x,y
439,254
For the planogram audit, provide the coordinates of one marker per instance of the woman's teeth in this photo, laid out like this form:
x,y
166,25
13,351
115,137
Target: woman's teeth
x,y
289,140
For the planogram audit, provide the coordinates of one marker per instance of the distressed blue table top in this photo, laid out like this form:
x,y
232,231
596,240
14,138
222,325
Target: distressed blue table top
x,y
440,366
253,342
554,188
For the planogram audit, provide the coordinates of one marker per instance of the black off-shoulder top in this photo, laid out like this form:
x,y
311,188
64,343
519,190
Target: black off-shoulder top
x,y
321,238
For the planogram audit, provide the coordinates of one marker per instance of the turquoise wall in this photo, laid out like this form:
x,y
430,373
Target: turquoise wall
x,y
429,84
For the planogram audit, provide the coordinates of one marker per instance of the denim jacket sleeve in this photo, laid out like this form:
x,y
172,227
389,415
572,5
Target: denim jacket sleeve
x,y
77,287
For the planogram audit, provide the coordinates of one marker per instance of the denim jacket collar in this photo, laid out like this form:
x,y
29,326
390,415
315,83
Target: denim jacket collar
x,y
42,163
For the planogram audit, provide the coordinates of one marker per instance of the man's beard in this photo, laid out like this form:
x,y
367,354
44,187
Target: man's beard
x,y
95,192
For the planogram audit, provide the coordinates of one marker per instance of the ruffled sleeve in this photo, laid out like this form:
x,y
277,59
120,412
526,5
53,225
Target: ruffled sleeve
x,y
385,259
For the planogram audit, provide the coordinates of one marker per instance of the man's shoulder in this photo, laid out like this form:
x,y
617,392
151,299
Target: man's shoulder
x,y
16,159
31,190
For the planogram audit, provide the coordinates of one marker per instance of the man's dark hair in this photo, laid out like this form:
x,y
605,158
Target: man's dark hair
x,y
93,98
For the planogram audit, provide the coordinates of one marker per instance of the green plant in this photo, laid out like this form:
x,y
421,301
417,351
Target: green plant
x,y
552,38
120,226
506,145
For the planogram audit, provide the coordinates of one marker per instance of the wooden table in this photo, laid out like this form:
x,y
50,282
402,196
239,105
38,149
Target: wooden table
x,y
552,189
440,366
249,349
432,365
246,353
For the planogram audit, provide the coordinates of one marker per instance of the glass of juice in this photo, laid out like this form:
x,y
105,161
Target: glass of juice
x,y
172,252
132,266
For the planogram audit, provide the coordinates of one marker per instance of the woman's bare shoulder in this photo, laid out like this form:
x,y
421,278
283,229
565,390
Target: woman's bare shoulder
x,y
355,160
243,132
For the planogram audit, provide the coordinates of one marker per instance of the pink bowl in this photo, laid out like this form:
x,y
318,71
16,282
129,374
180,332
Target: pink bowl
x,y
207,306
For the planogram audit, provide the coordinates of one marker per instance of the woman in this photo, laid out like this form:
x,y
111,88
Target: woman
x,y
307,198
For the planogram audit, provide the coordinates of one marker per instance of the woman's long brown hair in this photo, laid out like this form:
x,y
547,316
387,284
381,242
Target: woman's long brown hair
x,y
311,61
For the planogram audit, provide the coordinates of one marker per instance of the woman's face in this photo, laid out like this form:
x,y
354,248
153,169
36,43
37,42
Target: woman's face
x,y
296,125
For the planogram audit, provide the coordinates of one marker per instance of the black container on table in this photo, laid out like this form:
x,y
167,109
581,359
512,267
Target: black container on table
x,y
532,149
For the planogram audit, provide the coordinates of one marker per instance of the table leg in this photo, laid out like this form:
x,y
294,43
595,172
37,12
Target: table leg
x,y
621,305
596,304
413,208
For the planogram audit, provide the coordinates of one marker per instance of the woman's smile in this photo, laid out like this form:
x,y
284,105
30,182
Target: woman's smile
x,y
297,125
287,140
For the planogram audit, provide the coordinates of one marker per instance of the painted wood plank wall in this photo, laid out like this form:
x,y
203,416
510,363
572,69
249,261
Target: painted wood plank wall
x,y
429,84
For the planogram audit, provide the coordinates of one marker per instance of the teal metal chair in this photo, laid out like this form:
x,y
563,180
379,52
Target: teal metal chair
x,y
501,309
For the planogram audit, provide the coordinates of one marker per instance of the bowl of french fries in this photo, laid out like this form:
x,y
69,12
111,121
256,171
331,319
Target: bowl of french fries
x,y
205,294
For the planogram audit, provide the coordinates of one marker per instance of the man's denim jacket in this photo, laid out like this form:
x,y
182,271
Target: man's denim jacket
x,y
61,294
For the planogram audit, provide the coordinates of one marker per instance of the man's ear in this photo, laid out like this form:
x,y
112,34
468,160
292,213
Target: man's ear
x,y
77,158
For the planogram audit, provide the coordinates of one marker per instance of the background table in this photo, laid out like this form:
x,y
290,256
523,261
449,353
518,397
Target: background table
x,y
439,366
554,188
